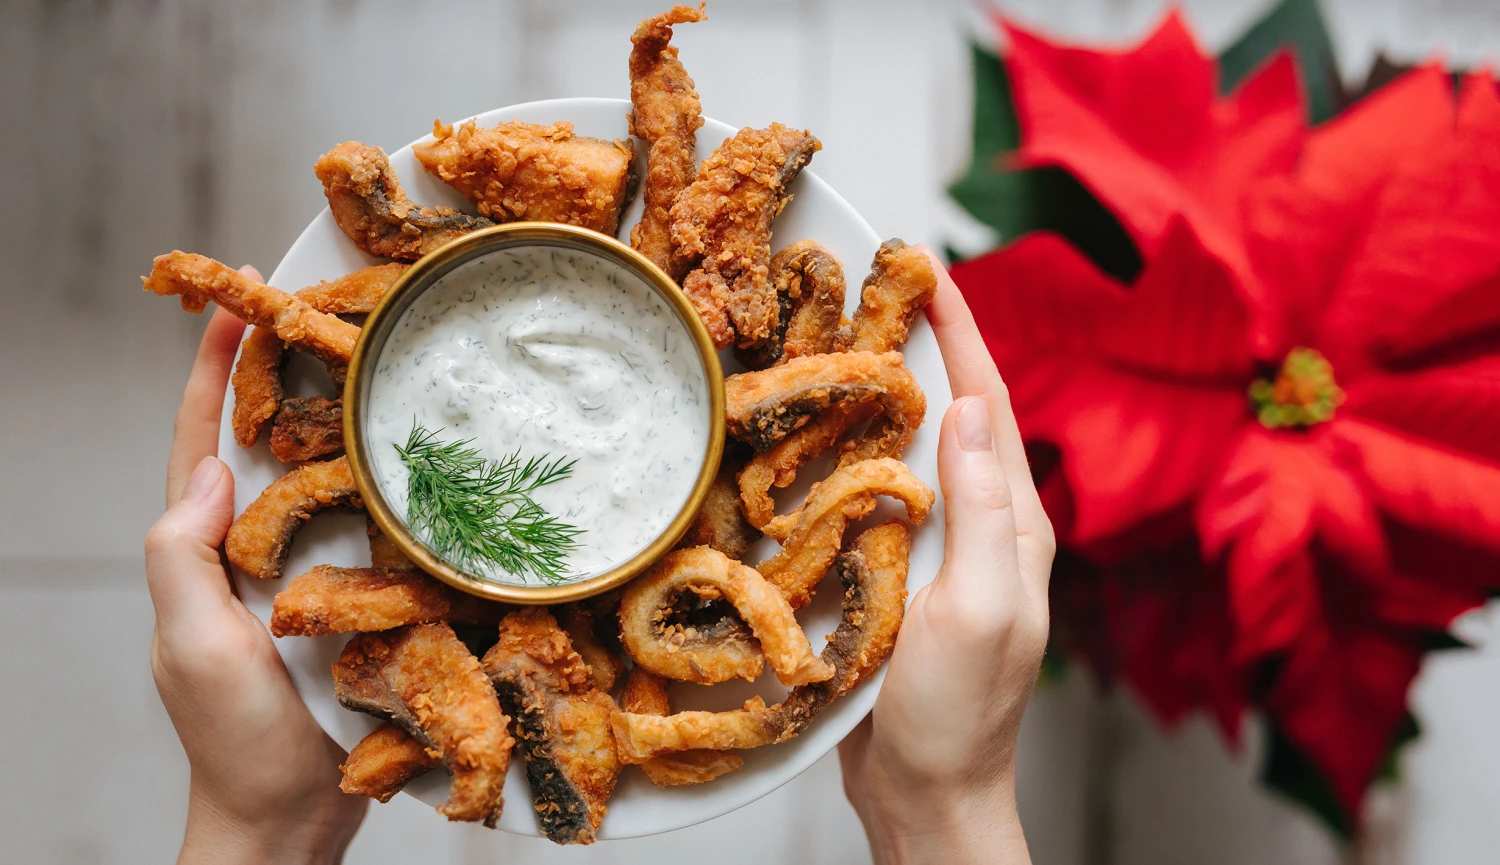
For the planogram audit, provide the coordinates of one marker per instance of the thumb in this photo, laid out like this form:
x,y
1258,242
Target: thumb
x,y
183,569
979,557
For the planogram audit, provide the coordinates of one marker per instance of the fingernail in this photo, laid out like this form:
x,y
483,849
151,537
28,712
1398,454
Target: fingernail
x,y
205,477
974,425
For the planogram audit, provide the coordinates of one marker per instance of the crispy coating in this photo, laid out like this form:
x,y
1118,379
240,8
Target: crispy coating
x,y
562,722
809,283
381,764
333,600
646,694
258,540
720,523
778,466
605,665
873,572
519,170
723,222
666,113
354,293
642,737
370,207
307,427
714,654
198,279
424,679
763,407
900,283
383,551
846,495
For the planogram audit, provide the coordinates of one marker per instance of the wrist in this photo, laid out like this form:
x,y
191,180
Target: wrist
x,y
953,827
316,833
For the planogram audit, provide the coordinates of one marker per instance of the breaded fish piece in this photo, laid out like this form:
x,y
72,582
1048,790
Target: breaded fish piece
x,y
778,466
423,678
665,111
383,551
900,284
809,283
197,279
381,764
334,600
258,540
720,523
370,207
646,694
562,722
605,664
307,427
723,223
518,170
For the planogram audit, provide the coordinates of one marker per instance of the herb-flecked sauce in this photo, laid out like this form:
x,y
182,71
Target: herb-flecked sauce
x,y
556,352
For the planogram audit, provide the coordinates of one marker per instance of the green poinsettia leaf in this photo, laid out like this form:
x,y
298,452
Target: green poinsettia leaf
x,y
1299,25
1014,202
1288,772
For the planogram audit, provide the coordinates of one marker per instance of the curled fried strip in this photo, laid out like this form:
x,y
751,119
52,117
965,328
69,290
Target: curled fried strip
x,y
383,551
258,540
562,722
721,650
847,494
604,664
334,600
422,678
641,737
665,112
900,283
723,223
381,764
520,170
370,207
307,427
646,694
809,283
778,466
720,523
198,279
762,408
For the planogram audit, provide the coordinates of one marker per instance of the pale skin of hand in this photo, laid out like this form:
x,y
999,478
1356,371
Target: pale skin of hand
x,y
264,776
931,771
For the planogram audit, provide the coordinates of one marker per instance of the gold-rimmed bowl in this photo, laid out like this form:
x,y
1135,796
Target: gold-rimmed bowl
x,y
426,273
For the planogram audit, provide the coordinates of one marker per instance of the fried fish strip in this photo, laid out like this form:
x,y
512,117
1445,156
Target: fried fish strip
x,y
646,694
370,207
723,222
778,466
307,427
383,551
381,764
333,600
522,170
423,678
763,407
900,283
198,279
562,722
721,651
666,113
604,664
848,494
809,283
873,572
720,523
258,540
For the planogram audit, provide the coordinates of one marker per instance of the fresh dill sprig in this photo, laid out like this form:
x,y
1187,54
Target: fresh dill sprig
x,y
476,512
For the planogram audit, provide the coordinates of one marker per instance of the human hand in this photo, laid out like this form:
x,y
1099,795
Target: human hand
x,y
931,772
265,777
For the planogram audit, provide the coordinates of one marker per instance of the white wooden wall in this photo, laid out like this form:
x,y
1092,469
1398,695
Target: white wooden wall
x,y
134,127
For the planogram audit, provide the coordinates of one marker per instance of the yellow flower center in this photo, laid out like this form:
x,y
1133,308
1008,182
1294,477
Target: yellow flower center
x,y
1303,392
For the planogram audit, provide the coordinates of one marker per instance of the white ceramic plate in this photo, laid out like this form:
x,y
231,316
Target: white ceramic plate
x,y
638,807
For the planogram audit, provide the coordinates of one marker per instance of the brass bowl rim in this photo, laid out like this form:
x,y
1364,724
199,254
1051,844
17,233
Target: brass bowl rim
x,y
422,275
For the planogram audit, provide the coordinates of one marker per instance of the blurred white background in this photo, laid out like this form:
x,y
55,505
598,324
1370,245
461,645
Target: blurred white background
x,y
137,127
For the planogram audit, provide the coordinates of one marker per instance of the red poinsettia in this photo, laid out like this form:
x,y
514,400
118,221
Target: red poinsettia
x,y
1304,381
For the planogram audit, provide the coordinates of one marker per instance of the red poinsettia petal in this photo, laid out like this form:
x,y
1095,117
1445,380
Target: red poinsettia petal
x,y
1456,406
1426,271
1144,131
1184,320
1300,230
1425,486
1339,696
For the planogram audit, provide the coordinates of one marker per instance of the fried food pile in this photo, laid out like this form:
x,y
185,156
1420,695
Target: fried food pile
x,y
581,691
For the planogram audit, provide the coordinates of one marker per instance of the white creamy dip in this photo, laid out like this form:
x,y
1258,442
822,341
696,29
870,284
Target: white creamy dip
x,y
554,352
